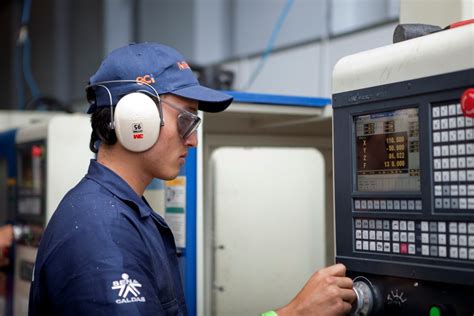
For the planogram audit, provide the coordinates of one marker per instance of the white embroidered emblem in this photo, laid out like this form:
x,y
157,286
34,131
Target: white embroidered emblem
x,y
126,286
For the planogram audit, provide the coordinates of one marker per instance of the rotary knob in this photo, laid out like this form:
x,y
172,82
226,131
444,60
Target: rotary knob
x,y
365,297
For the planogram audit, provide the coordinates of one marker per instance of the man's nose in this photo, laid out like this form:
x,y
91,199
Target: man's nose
x,y
192,140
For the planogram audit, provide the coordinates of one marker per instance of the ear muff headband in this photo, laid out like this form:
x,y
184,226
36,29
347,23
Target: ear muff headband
x,y
137,118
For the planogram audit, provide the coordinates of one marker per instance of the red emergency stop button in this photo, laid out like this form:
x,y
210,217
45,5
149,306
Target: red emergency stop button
x,y
467,102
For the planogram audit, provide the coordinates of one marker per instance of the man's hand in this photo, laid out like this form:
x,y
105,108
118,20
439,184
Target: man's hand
x,y
6,236
328,292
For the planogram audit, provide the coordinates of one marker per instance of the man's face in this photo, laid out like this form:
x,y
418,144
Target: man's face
x,y
166,157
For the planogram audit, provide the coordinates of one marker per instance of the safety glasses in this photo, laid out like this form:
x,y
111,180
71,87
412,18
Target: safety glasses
x,y
188,122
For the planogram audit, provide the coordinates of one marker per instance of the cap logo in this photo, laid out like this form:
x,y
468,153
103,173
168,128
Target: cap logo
x,y
149,79
183,65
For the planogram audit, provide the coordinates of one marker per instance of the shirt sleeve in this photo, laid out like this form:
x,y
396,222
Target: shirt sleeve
x,y
105,271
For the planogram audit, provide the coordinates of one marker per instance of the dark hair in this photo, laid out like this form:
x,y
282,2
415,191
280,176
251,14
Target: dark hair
x,y
100,123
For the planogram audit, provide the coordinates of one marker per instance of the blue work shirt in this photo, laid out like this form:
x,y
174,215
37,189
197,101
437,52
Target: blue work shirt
x,y
105,252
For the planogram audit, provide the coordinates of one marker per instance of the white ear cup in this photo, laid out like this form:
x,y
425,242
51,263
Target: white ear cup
x,y
137,122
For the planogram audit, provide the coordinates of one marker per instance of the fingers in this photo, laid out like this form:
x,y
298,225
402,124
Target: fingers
x,y
336,270
348,295
344,282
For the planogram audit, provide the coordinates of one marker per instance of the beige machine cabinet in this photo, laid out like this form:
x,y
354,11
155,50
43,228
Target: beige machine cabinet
x,y
267,170
53,156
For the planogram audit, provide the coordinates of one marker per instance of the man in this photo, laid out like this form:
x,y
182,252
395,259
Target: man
x,y
105,251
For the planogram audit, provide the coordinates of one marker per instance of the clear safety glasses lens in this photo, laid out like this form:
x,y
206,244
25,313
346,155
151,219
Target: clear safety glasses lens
x,y
188,123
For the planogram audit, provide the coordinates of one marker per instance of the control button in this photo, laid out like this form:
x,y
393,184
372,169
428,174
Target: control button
x,y
377,204
403,204
436,111
442,227
372,235
365,245
453,227
425,238
358,234
395,225
452,136
363,204
436,125
386,247
389,205
378,224
454,190
462,189
396,247
358,244
372,224
437,151
403,225
467,103
425,250
471,241
411,225
372,246
462,228
453,175
403,248
462,240
411,249
453,252
446,203
452,122
469,149
403,236
434,251
460,121
452,109
454,203
446,190
461,135
395,236
365,223
445,163
453,163
437,176
470,190
453,240
462,163
461,149
418,205
436,137
433,239
357,204
365,234
411,237
470,203
433,227
468,121
444,110
445,175
396,205
458,109
383,205
442,239
379,235
370,204
463,203
470,228
424,226
463,253
386,224
470,162
469,134
386,236
445,151
379,246
471,254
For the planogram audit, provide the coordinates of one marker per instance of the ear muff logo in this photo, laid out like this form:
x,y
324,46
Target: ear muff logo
x,y
137,130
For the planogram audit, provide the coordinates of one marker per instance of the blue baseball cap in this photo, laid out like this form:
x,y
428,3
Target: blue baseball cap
x,y
143,66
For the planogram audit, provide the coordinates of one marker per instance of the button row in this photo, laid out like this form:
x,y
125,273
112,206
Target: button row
x,y
402,248
454,176
454,227
364,205
452,123
385,235
446,110
453,163
453,150
453,135
454,190
454,252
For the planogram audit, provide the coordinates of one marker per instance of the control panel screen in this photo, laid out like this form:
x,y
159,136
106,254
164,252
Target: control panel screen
x,y
387,147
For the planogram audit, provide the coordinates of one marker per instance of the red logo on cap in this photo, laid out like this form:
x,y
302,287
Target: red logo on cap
x,y
145,79
137,136
183,65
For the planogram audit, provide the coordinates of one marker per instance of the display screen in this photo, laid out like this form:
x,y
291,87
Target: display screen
x,y
388,156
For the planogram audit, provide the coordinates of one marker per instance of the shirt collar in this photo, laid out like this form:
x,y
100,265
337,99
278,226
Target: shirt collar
x,y
117,186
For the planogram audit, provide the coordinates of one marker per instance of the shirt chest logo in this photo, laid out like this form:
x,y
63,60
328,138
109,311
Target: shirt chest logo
x,y
128,290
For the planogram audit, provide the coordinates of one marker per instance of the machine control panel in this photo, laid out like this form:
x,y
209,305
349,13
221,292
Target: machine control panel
x,y
404,176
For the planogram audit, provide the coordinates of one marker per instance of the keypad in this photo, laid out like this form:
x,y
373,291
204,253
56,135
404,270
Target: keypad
x,y
387,205
440,239
453,159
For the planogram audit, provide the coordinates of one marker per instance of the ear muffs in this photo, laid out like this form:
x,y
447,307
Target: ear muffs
x,y
137,121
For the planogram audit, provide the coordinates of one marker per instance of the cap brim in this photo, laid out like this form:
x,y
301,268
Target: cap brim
x,y
209,100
